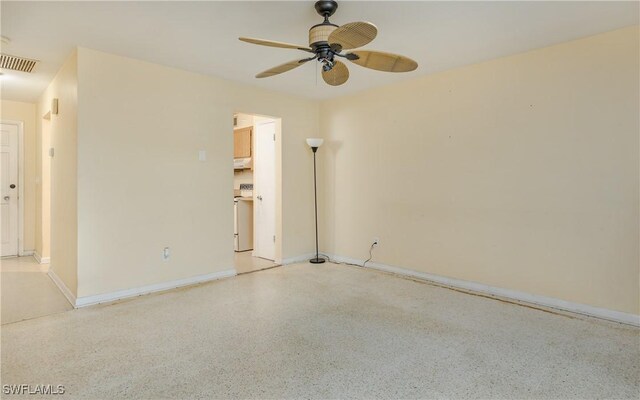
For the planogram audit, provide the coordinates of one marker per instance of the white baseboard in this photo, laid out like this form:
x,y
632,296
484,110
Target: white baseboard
x,y
550,302
39,259
158,287
26,253
63,288
297,259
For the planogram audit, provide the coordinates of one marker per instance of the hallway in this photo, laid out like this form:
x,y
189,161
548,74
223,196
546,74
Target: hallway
x,y
27,292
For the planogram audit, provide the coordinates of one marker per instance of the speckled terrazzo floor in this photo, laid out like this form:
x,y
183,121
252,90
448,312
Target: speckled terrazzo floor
x,y
321,331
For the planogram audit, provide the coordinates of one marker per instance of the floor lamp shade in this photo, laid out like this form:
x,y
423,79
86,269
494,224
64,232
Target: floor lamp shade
x,y
315,142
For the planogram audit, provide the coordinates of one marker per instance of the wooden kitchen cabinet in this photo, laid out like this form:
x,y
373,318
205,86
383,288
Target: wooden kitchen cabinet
x,y
242,142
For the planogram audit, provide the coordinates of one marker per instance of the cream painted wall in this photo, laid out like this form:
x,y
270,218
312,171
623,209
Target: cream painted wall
x,y
141,186
43,186
60,132
26,113
520,172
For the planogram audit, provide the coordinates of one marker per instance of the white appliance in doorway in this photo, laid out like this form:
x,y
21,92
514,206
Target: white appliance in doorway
x,y
9,189
243,223
264,187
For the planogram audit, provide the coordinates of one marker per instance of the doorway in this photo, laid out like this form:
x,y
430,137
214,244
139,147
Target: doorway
x,y
10,188
28,289
256,244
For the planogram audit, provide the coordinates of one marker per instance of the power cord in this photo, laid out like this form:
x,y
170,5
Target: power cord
x,y
374,244
370,253
338,262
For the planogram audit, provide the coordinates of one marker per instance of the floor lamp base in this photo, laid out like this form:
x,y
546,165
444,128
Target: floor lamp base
x,y
317,260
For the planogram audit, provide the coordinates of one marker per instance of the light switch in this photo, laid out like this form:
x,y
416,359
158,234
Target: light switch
x,y
202,155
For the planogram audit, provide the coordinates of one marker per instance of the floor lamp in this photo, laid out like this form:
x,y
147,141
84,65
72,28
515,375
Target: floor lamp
x,y
314,144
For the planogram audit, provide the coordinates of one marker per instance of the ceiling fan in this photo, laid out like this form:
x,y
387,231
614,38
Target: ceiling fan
x,y
327,42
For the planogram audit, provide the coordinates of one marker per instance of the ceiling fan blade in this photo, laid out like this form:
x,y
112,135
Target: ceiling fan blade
x,y
272,43
337,75
353,34
381,61
283,68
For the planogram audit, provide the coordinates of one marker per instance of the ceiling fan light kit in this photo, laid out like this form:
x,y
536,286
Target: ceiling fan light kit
x,y
327,42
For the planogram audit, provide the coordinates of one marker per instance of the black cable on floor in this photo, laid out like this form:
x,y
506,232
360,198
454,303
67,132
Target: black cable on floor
x,y
348,263
370,255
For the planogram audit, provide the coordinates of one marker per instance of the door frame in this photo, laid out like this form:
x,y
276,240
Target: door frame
x,y
20,126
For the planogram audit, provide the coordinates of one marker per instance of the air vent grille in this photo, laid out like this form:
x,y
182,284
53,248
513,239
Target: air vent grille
x,y
17,63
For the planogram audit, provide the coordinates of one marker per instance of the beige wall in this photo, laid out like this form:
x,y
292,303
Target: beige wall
x,y
43,187
520,172
140,184
60,132
26,113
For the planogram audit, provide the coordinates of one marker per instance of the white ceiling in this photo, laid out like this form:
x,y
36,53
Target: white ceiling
x,y
202,36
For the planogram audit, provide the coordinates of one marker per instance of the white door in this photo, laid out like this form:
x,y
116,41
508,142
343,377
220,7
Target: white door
x,y
265,191
9,188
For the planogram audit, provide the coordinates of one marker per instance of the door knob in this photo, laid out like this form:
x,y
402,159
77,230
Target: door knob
x,y
7,198
12,186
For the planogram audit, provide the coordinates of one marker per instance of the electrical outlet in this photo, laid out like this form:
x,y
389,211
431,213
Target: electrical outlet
x,y
166,253
376,241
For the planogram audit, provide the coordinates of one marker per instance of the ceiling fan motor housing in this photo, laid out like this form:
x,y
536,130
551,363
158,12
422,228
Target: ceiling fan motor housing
x,y
319,34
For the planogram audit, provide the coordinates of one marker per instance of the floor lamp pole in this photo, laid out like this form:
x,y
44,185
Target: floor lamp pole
x,y
316,260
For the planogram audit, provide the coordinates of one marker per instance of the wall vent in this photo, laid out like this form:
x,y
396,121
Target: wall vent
x,y
17,63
